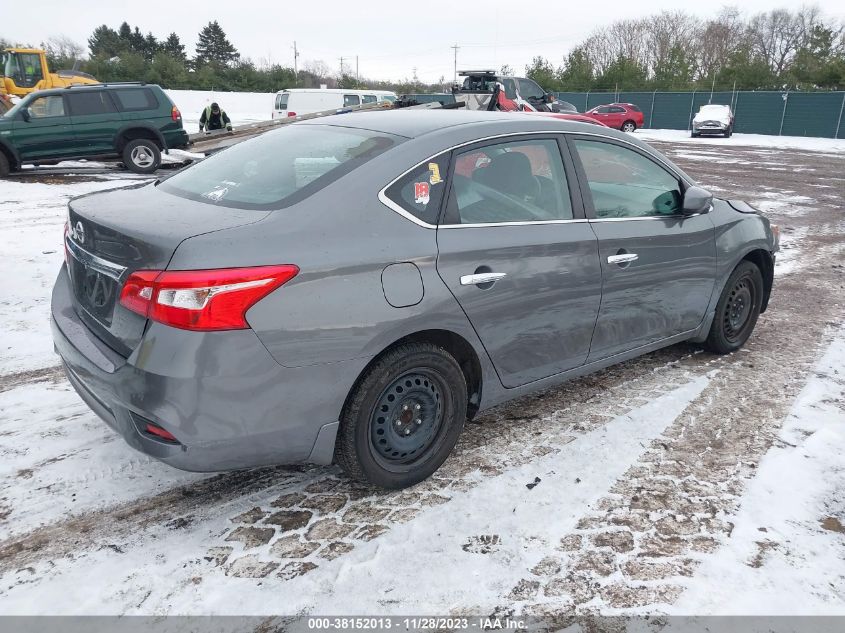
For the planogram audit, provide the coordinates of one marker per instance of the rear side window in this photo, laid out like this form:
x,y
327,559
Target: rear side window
x,y
420,191
279,168
516,181
634,108
90,102
351,100
369,99
134,99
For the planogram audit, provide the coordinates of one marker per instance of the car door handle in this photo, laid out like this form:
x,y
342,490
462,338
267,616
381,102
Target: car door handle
x,y
481,278
624,258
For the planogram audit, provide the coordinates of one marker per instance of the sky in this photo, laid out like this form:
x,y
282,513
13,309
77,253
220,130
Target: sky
x,y
390,39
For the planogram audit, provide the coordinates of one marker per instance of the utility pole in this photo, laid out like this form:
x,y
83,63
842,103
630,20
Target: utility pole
x,y
357,74
295,56
456,48
341,67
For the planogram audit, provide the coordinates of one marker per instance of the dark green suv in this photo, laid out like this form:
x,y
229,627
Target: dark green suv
x,y
132,121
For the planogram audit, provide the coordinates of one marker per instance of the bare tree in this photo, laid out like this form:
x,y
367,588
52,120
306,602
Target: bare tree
x,y
61,47
777,35
720,38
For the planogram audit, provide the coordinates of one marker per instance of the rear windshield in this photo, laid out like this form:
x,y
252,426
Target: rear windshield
x,y
279,168
282,101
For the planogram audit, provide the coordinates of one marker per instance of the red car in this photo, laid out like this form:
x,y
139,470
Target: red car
x,y
622,116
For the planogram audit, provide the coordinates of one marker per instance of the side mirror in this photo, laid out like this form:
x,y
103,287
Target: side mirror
x,y
25,115
696,200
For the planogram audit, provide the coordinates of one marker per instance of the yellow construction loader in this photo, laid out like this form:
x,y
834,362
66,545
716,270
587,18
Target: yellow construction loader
x,y
24,70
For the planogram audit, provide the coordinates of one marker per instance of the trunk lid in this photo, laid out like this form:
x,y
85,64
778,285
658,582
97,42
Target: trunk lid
x,y
115,233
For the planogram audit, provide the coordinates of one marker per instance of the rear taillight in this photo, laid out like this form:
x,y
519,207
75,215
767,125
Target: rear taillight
x,y
291,113
202,300
175,114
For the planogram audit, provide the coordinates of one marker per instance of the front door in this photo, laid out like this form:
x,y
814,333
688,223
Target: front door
x,y
48,132
518,255
659,266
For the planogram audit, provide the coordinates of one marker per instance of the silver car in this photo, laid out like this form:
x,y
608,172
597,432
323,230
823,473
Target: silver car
x,y
353,288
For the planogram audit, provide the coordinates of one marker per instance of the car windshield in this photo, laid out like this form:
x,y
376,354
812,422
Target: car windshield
x,y
279,168
16,108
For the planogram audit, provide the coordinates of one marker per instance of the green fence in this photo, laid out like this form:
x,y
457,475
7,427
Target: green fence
x,y
778,113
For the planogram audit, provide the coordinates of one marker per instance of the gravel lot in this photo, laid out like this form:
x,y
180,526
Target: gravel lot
x,y
605,495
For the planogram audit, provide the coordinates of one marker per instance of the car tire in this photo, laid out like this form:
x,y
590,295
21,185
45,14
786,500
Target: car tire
x,y
738,309
694,135
403,417
628,126
5,168
730,132
142,156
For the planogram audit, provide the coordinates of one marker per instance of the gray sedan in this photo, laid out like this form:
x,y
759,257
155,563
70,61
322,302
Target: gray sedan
x,y
354,288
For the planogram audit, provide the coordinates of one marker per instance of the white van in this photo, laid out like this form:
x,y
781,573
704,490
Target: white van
x,y
296,101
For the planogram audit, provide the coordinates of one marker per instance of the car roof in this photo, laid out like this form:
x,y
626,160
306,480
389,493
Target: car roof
x,y
412,123
90,87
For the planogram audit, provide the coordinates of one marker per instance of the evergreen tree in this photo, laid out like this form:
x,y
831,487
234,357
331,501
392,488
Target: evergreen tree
x,y
214,48
577,73
541,71
151,47
124,32
174,48
104,42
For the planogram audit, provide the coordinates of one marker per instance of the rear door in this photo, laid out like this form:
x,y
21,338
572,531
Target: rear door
x,y
48,133
95,120
659,266
518,255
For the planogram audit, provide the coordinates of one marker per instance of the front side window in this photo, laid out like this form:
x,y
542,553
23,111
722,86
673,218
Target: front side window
x,y
89,102
278,168
420,191
46,107
603,110
625,184
516,181
351,100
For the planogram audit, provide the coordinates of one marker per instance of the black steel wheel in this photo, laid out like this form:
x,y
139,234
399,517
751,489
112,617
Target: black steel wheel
x,y
738,309
403,417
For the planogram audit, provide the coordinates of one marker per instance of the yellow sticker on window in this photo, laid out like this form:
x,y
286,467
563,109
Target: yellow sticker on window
x,y
434,168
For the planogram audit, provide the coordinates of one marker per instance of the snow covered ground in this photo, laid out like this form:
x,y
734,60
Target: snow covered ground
x,y
678,483
804,143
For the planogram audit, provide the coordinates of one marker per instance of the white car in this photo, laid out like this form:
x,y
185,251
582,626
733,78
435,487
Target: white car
x,y
713,119
297,101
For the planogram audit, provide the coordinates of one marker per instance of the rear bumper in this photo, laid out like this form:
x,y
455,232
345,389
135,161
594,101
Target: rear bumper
x,y
221,394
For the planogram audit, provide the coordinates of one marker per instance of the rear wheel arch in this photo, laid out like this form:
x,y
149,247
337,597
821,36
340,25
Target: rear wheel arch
x,y
456,345
138,132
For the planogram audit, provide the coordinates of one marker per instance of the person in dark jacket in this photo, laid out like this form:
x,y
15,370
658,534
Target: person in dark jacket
x,y
213,118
